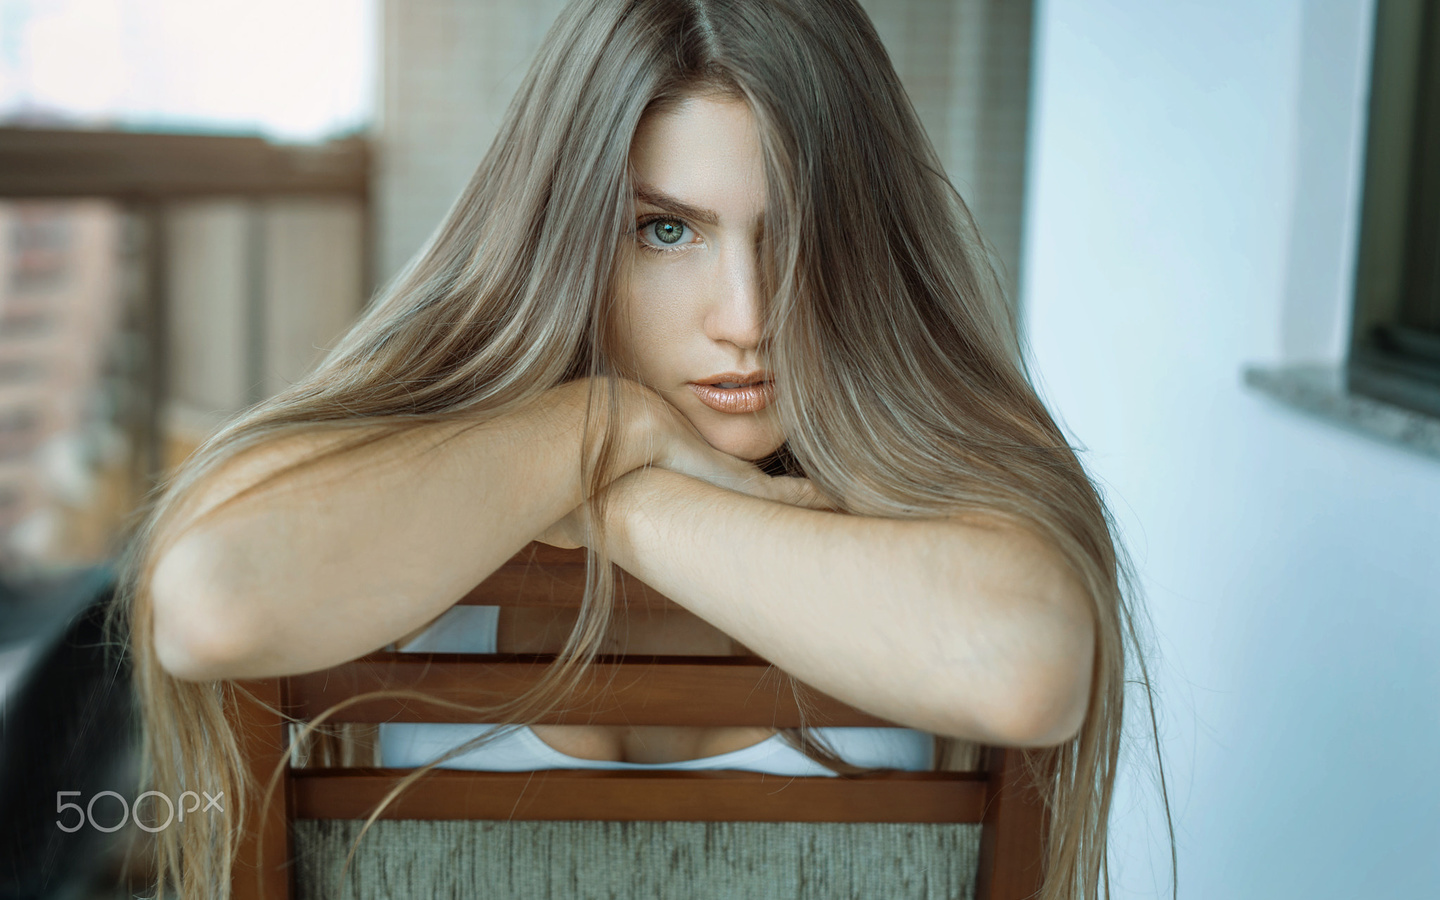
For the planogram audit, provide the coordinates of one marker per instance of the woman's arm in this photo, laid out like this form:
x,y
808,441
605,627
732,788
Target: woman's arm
x,y
334,561
963,628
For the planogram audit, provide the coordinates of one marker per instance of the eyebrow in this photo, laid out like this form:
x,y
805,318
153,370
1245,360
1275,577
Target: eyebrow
x,y
659,198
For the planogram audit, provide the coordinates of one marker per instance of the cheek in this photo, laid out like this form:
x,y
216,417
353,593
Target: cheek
x,y
652,327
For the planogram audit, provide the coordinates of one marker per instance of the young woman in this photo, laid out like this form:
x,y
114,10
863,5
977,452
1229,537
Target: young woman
x,y
710,309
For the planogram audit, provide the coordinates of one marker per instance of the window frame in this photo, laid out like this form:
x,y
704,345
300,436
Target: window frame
x,y
1388,359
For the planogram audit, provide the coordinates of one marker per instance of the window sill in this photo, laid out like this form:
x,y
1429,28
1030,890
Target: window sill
x,y
1320,390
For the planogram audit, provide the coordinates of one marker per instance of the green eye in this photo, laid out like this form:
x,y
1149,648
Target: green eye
x,y
667,230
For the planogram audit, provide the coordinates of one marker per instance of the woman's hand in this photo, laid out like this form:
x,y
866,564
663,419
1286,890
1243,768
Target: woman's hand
x,y
677,445
569,532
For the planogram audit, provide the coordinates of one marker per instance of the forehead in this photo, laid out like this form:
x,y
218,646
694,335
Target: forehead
x,y
704,151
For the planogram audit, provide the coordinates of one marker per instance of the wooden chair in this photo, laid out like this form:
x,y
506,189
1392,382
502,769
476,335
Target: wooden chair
x,y
677,690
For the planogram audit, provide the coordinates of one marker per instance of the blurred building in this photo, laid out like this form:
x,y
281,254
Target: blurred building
x,y
59,292
152,286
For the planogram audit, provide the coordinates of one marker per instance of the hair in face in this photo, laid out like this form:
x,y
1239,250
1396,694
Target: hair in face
x,y
899,380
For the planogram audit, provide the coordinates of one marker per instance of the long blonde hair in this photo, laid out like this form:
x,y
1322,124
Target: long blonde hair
x,y
901,385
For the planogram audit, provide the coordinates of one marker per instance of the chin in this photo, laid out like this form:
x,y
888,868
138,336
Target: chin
x,y
745,440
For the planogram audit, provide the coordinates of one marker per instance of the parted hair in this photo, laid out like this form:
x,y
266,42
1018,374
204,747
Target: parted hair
x,y
900,381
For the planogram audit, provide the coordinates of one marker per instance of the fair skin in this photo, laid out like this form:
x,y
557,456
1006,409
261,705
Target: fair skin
x,y
689,301
971,594
688,307
962,627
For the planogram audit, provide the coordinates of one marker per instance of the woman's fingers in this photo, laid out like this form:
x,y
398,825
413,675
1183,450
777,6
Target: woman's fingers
x,y
569,533
735,474
680,447
749,479
795,492
803,492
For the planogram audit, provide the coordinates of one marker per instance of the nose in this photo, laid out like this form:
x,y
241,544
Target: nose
x,y
734,313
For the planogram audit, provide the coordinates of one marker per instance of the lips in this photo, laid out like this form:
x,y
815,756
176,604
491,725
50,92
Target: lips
x,y
735,379
735,392
735,400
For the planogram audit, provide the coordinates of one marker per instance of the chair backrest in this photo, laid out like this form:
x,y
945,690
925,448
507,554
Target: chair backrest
x,y
674,690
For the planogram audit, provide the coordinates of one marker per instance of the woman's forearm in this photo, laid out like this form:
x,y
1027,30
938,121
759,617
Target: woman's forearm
x,y
349,554
963,630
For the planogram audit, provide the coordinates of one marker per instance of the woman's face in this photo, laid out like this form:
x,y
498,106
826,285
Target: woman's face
x,y
688,307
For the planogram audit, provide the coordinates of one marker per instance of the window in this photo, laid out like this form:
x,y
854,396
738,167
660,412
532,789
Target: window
x,y
1395,344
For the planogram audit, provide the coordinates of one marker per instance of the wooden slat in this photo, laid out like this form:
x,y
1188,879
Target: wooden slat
x,y
541,575
653,691
38,162
1012,840
262,736
618,796
657,690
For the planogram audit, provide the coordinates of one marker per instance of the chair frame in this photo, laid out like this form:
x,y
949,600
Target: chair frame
x,y
645,690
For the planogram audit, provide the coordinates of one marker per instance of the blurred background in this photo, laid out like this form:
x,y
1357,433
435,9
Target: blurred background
x,y
185,194
1220,222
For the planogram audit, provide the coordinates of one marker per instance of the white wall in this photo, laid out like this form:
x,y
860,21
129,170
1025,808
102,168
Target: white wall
x,y
1191,210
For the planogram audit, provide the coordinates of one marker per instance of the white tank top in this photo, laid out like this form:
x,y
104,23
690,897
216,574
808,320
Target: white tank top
x,y
472,629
